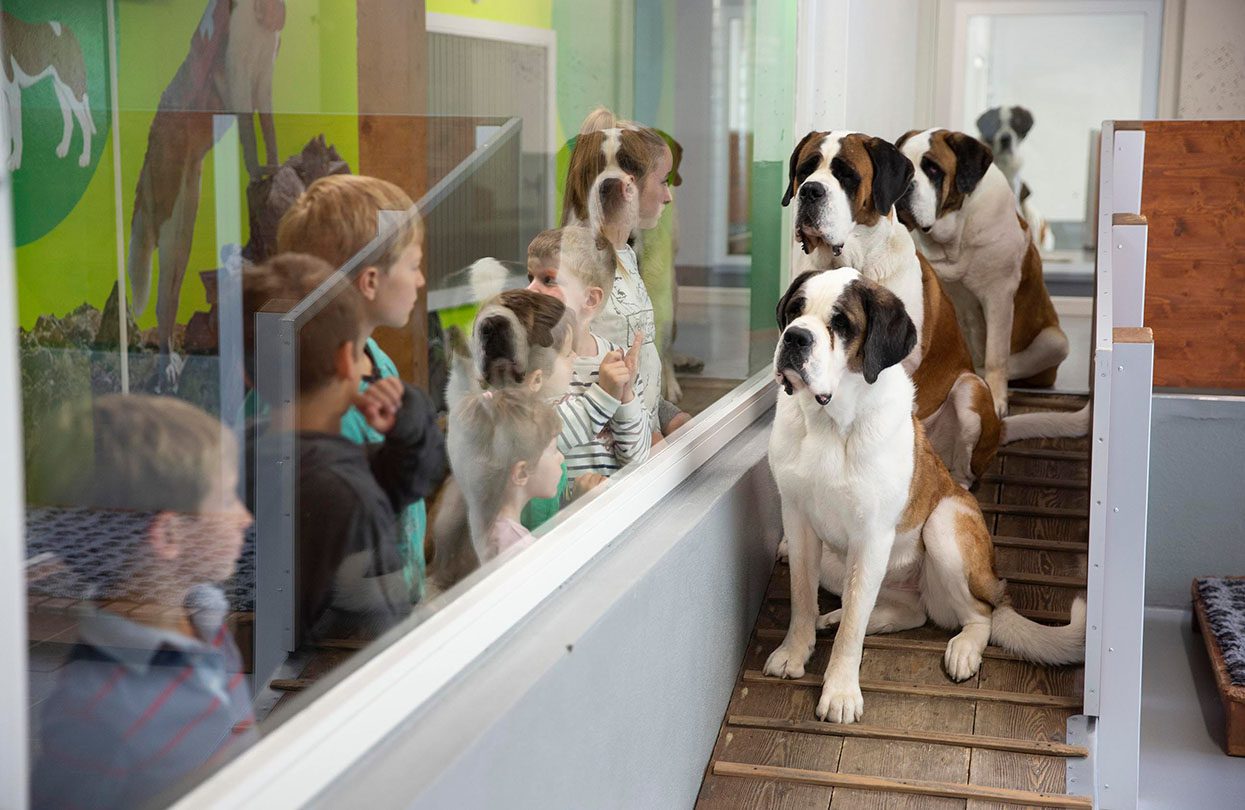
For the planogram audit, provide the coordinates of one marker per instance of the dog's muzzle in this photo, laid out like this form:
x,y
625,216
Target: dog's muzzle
x,y
797,342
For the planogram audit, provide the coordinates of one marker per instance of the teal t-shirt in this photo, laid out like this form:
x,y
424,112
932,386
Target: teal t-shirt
x,y
415,517
538,510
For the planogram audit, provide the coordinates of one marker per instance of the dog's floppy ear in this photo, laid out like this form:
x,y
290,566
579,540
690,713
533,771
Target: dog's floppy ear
x,y
890,334
1022,121
988,123
972,158
795,161
792,295
892,172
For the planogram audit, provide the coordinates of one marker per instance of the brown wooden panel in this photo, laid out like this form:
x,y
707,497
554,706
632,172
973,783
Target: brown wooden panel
x,y
393,142
1193,197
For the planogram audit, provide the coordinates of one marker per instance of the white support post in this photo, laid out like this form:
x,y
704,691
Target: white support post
x,y
1129,152
1128,260
1118,746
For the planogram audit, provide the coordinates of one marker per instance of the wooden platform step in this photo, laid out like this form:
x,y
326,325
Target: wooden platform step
x,y
1017,746
1046,401
1024,510
891,643
1044,453
917,787
930,690
1037,614
1071,546
1050,580
1034,481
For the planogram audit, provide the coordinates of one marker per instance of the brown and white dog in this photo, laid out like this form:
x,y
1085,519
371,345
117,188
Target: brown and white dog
x,y
1004,129
868,510
963,217
844,185
228,70
32,52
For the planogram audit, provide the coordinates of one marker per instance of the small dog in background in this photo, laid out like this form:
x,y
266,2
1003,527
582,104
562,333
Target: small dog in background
x,y
1003,129
32,52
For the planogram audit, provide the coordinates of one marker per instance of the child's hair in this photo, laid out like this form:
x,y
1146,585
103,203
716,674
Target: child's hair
x,y
638,150
109,466
290,277
489,433
519,332
336,217
587,257
544,248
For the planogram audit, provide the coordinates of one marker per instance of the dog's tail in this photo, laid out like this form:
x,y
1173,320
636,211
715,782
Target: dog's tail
x,y
1040,643
142,242
1046,425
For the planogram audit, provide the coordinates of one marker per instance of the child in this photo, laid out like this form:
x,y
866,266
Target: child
x,y
503,447
153,690
606,426
334,219
351,575
618,183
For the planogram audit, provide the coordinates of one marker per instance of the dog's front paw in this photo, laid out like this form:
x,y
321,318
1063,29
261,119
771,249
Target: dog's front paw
x,y
841,701
962,658
787,661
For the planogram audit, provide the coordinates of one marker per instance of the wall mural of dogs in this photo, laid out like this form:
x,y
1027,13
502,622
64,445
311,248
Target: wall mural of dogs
x,y
1004,129
868,510
228,70
33,53
963,219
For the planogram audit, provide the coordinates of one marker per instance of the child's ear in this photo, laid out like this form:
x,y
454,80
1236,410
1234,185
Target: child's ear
x,y
519,474
595,297
535,379
345,361
162,536
368,282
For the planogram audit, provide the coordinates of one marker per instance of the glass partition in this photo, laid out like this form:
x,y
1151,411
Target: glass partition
x,y
295,378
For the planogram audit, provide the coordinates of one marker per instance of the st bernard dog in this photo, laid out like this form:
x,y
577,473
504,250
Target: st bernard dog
x,y
964,219
869,511
844,185
1004,129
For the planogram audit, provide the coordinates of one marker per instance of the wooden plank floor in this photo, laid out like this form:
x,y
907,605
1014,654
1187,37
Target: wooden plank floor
x,y
925,742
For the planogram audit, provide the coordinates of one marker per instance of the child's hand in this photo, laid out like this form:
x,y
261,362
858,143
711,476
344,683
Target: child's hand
x,y
586,483
632,360
614,375
379,404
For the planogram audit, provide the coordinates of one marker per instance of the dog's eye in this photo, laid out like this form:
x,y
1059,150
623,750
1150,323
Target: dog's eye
x,y
841,325
932,170
847,178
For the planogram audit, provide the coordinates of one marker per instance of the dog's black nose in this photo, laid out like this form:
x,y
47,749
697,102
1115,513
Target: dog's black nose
x,y
1005,141
812,191
797,338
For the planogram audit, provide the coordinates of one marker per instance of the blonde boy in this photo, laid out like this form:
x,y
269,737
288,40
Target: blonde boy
x,y
337,217
606,426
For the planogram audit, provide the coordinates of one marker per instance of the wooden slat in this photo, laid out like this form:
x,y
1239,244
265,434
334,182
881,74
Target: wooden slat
x,y
1132,334
1017,399
906,786
1051,580
1127,219
291,684
1024,510
1039,452
1033,481
924,690
1037,747
1037,614
1043,545
891,643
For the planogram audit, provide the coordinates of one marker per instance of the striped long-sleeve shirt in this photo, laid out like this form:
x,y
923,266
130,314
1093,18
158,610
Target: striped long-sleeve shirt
x,y
600,434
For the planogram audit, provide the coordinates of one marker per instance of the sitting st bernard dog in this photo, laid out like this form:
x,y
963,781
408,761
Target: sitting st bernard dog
x,y
844,185
868,510
1004,129
964,219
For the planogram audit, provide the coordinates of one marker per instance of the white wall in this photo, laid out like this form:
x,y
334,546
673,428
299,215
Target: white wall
x,y
1212,60
882,67
694,126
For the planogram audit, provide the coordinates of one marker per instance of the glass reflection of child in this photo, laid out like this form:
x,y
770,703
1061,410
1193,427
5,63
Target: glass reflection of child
x,y
503,448
618,183
153,690
606,426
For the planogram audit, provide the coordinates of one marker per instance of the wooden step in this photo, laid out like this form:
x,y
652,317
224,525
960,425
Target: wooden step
x,y
1024,510
930,690
1044,453
917,787
1052,580
1038,615
890,643
1038,747
1005,541
1047,403
1034,481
